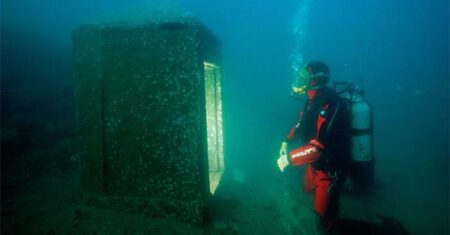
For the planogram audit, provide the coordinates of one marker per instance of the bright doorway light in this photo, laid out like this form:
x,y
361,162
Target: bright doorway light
x,y
213,93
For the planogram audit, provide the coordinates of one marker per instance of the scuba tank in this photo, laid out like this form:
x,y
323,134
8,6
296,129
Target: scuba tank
x,y
362,162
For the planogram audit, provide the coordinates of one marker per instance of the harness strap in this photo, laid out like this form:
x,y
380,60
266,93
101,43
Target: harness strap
x,y
332,119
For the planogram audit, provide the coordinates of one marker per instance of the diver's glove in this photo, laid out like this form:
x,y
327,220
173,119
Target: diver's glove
x,y
283,162
283,149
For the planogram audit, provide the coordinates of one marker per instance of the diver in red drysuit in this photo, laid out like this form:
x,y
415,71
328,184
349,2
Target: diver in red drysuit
x,y
323,129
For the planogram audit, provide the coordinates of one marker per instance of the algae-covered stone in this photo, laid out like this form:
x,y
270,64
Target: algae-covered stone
x,y
141,110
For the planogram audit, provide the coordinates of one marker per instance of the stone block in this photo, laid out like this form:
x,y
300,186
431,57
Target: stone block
x,y
149,113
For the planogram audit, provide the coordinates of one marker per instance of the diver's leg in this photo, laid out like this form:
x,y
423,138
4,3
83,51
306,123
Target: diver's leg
x,y
321,196
326,201
309,183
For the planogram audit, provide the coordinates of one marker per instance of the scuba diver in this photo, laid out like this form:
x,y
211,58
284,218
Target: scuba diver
x,y
323,130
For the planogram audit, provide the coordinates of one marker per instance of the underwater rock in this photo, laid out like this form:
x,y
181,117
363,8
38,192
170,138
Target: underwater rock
x,y
141,111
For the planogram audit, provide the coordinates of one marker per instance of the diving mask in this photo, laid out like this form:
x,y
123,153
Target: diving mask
x,y
305,82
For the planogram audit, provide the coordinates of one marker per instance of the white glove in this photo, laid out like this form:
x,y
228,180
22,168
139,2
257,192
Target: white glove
x,y
283,162
283,149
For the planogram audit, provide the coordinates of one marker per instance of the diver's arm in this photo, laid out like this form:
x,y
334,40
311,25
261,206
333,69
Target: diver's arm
x,y
306,154
290,136
294,130
300,156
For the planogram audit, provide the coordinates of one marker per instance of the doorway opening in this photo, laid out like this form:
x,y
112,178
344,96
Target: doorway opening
x,y
213,93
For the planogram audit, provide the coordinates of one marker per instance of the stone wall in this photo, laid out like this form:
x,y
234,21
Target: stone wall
x,y
141,114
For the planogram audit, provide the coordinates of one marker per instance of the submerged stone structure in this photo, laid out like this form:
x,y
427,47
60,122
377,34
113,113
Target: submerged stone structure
x,y
149,109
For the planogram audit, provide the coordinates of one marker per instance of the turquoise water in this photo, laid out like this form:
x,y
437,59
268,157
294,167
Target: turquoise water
x,y
397,50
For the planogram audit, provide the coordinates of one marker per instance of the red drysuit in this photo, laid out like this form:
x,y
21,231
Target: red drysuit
x,y
323,131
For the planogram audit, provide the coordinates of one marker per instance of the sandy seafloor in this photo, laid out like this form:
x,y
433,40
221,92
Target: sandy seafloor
x,y
43,197
41,191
